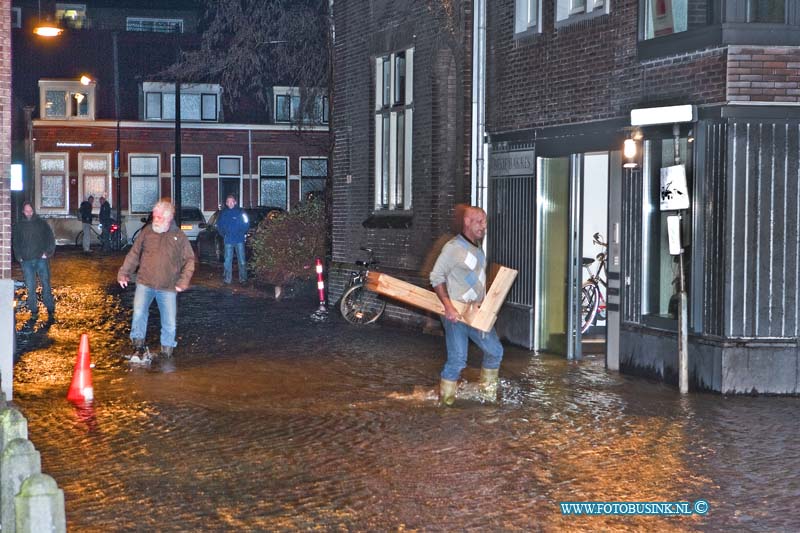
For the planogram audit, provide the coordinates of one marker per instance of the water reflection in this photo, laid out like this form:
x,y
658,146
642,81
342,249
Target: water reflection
x,y
297,424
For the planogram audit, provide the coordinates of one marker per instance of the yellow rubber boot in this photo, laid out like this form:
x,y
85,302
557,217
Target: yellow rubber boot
x,y
447,392
488,382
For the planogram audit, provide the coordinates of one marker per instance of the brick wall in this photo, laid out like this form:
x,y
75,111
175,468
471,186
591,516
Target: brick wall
x,y
763,74
587,71
5,139
440,33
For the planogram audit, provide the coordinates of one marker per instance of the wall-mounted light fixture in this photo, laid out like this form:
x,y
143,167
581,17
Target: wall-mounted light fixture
x,y
630,150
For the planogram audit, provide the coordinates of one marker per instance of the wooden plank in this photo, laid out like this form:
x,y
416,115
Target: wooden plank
x,y
495,296
482,318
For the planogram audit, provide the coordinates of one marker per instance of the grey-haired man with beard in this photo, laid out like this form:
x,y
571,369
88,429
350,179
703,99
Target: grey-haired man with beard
x,y
164,259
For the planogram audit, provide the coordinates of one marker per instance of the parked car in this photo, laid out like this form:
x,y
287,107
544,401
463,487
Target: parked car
x,y
192,220
210,245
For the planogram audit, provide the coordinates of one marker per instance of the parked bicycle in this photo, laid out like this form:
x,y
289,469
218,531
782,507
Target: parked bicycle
x,y
118,239
593,303
359,305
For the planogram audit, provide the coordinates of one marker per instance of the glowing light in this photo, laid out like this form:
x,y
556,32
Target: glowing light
x,y
47,30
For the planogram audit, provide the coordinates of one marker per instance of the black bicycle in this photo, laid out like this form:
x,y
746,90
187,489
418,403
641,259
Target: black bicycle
x,y
116,236
359,305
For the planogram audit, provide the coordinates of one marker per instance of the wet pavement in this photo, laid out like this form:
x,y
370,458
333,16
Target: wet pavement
x,y
271,421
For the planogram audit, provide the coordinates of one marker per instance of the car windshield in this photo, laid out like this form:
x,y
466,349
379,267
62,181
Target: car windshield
x,y
191,214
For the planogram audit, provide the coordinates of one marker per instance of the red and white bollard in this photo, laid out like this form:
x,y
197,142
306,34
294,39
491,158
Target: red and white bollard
x,y
321,287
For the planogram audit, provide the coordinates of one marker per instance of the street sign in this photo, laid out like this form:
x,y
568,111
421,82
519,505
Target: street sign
x,y
674,191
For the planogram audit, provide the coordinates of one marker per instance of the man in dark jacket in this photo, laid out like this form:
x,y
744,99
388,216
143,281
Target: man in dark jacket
x,y
105,221
233,225
34,245
165,262
85,211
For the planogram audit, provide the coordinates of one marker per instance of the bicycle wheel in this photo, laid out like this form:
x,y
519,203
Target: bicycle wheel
x,y
589,301
361,306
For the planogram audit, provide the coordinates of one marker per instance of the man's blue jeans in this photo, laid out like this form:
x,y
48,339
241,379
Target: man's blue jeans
x,y
457,336
38,267
167,307
228,269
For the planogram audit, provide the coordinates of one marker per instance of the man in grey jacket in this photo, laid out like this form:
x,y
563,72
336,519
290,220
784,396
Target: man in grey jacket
x,y
34,245
164,259
460,274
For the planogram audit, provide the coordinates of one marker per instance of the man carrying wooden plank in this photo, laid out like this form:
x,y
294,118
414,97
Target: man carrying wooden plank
x,y
460,275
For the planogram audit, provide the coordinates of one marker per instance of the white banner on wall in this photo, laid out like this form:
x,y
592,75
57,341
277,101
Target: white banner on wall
x,y
674,191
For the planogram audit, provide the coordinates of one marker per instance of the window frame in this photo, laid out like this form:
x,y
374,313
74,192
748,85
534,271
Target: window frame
x,y
63,208
16,17
304,177
567,13
165,93
69,88
266,177
526,22
199,177
131,179
137,24
83,173
78,23
389,195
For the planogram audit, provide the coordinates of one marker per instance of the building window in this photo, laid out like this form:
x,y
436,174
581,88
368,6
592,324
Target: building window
x,y
527,17
394,106
274,175
313,177
230,177
71,15
191,180
52,171
95,176
773,11
66,100
199,102
289,106
569,11
157,25
16,17
144,177
660,269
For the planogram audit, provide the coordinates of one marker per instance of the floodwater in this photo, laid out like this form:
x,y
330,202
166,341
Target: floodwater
x,y
271,421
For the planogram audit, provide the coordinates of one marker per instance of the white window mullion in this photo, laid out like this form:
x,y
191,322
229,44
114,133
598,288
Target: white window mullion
x,y
392,160
409,77
408,159
378,156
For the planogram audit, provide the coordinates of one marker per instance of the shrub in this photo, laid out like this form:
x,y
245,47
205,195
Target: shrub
x,y
285,248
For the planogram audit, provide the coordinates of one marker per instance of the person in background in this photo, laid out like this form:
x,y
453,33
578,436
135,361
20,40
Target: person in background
x,y
105,221
164,259
460,274
34,245
85,211
233,226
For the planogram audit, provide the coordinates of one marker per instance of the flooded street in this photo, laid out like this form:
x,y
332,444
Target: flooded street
x,y
272,421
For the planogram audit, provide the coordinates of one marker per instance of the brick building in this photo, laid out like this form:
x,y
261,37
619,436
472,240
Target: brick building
x,y
67,133
707,86
402,120
6,281
564,79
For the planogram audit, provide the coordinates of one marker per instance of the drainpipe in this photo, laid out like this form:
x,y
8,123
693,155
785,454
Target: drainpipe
x,y
479,190
683,311
250,165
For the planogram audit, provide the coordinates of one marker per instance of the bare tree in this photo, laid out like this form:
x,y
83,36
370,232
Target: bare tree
x,y
249,46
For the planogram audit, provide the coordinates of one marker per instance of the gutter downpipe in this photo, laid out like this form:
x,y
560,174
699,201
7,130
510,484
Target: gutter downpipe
x,y
479,190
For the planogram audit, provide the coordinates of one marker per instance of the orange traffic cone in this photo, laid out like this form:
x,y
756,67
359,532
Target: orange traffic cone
x,y
81,389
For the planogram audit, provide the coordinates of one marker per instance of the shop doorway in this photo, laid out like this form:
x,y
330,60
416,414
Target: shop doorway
x,y
571,235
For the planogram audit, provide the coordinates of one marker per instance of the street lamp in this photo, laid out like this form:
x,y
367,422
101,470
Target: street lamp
x,y
45,28
117,178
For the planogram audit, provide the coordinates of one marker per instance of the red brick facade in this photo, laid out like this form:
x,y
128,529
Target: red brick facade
x,y
763,74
